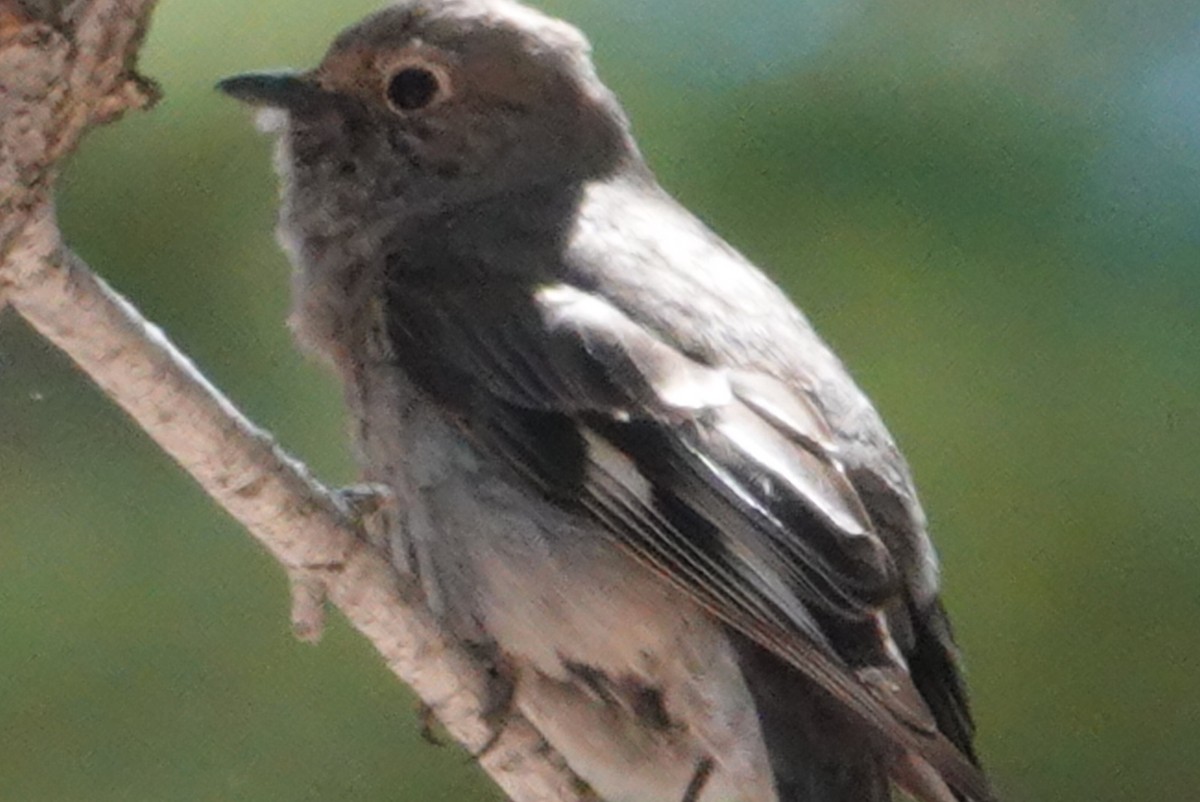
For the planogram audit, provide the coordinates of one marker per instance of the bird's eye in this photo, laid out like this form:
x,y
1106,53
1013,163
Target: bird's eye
x,y
414,87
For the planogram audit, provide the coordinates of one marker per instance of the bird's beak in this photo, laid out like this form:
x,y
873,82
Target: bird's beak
x,y
282,89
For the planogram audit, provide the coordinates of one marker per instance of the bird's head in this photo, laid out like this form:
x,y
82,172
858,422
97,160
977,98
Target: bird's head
x,y
429,104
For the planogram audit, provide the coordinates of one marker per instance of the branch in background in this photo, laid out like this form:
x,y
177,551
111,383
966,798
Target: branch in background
x,y
57,79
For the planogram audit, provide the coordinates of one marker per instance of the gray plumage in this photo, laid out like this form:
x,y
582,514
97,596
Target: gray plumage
x,y
628,468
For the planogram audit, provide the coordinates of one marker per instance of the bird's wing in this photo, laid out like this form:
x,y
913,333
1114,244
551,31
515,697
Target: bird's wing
x,y
726,483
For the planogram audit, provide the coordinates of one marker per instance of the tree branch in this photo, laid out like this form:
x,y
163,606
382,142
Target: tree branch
x,y
58,79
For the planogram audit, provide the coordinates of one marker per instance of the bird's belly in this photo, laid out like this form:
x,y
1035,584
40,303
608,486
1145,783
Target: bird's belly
x,y
629,680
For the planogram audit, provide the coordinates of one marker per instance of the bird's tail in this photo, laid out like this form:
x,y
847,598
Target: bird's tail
x,y
815,753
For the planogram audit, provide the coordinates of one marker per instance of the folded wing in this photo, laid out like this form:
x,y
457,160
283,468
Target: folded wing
x,y
725,482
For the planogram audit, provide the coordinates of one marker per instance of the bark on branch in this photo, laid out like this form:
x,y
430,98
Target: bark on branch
x,y
58,78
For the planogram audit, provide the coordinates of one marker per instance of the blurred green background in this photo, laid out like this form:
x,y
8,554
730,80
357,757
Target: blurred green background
x,y
992,211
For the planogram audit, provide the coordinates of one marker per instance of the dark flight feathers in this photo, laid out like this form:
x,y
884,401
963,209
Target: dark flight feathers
x,y
726,483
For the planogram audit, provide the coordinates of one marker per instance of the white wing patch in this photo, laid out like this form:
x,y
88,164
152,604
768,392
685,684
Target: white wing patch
x,y
609,460
678,382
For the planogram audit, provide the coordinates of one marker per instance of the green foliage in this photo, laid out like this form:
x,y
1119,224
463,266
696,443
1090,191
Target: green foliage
x,y
990,211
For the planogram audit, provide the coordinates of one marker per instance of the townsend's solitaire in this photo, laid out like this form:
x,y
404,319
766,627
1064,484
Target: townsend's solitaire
x,y
628,470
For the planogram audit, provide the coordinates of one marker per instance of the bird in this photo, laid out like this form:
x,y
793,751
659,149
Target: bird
x,y
629,473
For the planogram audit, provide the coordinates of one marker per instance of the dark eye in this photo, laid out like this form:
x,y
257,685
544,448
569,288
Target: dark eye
x,y
413,88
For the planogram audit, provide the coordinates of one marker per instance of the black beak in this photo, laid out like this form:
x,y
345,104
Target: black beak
x,y
283,89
